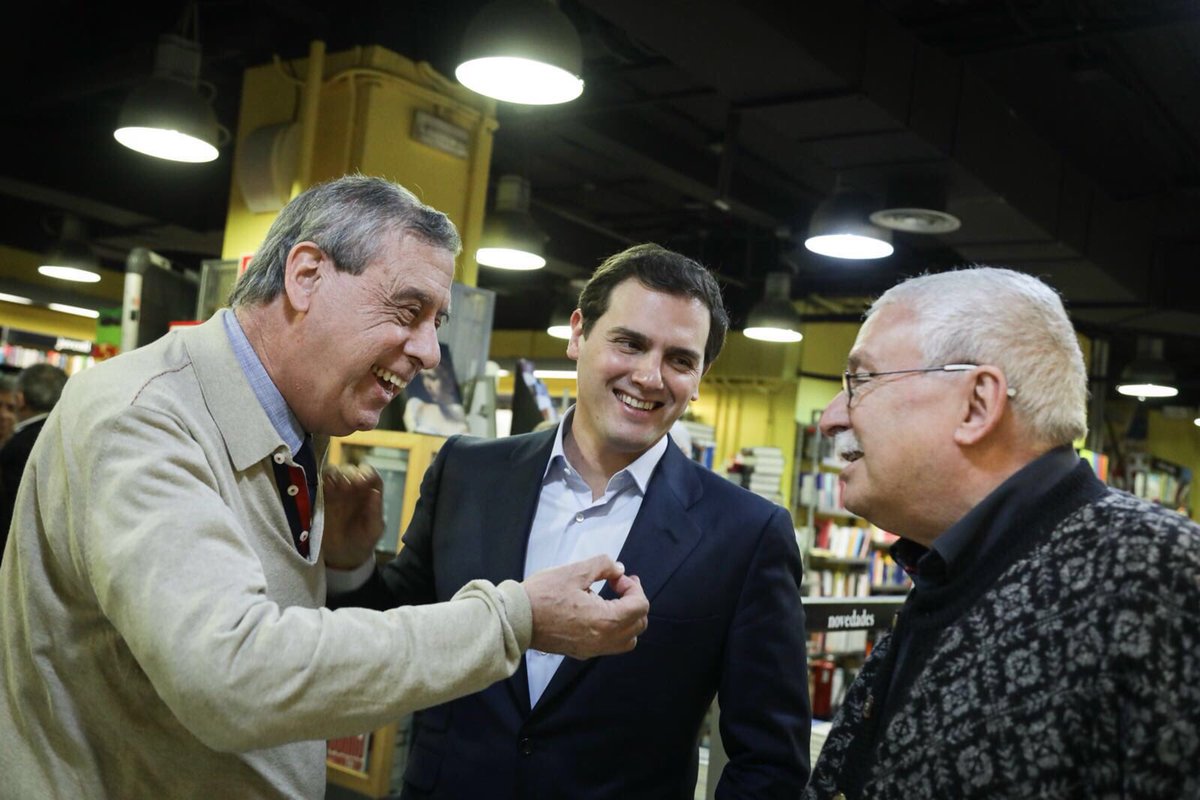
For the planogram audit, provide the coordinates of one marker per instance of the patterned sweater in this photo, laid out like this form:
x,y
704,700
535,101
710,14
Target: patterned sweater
x,y
1066,666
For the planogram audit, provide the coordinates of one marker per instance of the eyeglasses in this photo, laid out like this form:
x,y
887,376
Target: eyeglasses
x,y
855,380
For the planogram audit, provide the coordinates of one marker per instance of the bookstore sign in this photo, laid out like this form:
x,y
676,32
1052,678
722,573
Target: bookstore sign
x,y
850,613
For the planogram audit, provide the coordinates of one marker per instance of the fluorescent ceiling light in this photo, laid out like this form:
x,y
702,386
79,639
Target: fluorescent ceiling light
x,y
853,246
839,228
773,334
508,258
559,331
519,80
76,310
1149,374
522,51
166,117
774,318
14,298
1144,390
511,238
63,273
563,374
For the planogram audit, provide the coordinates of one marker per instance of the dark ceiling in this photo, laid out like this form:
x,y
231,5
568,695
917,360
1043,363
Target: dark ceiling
x,y
1064,133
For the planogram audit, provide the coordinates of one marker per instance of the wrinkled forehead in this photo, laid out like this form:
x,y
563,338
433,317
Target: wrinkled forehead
x,y
891,335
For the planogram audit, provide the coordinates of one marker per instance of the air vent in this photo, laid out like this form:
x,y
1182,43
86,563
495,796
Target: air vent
x,y
916,220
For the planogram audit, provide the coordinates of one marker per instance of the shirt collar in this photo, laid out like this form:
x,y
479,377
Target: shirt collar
x,y
967,539
272,402
641,470
25,423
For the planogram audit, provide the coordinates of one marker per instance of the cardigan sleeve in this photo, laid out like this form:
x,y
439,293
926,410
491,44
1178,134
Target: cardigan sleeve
x,y
174,574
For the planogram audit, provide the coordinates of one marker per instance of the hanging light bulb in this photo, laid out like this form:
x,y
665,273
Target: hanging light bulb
x,y
774,318
840,228
1149,374
511,238
522,51
71,258
166,117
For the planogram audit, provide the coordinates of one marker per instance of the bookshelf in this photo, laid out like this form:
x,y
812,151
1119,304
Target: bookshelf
x,y
844,554
20,349
853,587
364,763
841,631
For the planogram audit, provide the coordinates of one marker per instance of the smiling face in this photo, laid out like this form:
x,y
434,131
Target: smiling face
x,y
361,338
899,433
638,369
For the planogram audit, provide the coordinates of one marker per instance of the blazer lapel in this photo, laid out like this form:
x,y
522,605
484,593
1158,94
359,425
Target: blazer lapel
x,y
507,521
662,537
508,515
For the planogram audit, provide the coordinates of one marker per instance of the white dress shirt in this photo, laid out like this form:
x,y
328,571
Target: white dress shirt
x,y
570,526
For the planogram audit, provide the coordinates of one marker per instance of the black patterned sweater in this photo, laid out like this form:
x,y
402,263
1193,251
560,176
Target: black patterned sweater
x,y
1065,666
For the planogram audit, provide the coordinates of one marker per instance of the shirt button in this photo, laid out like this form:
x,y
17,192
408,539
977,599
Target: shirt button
x,y
579,517
279,458
293,490
868,706
526,747
304,536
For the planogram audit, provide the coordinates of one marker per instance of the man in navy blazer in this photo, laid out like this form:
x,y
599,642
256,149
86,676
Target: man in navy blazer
x,y
719,565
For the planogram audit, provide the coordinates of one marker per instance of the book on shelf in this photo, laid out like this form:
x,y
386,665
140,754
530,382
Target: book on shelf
x,y
842,541
822,491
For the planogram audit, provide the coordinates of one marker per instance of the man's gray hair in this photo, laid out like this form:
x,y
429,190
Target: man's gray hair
x,y
41,385
1014,321
351,219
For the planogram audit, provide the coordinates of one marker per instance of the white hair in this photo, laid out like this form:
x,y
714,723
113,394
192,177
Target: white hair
x,y
1014,321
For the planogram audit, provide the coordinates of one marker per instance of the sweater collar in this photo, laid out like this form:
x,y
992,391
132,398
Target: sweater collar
x,y
961,545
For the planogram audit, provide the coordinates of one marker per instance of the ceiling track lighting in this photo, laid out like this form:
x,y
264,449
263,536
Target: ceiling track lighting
x,y
166,117
511,238
840,228
774,318
71,258
522,51
1149,374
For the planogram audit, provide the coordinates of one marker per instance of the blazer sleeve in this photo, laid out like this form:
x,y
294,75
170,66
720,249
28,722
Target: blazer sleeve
x,y
765,718
408,579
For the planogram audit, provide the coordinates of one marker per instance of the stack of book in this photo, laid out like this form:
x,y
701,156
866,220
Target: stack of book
x,y
762,473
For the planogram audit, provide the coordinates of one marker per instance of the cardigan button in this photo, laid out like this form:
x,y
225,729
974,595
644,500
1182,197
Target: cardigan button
x,y
293,490
839,796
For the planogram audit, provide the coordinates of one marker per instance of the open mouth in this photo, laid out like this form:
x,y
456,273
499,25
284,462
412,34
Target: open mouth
x,y
388,380
640,405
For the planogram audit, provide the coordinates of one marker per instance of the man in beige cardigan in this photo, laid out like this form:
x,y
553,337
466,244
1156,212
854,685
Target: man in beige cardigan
x,y
160,600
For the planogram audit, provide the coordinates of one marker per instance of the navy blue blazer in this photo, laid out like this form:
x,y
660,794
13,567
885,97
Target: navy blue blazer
x,y
722,571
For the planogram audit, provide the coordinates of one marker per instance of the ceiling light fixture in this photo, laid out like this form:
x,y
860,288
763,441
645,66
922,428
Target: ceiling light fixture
x,y
560,324
839,228
511,239
1149,374
71,258
916,204
76,310
15,298
774,318
522,51
166,117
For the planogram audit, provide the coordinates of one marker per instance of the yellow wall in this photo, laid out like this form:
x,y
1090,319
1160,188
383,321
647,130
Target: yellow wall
x,y
364,117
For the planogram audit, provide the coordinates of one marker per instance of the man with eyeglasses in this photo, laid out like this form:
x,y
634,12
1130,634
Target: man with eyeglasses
x,y
1050,646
